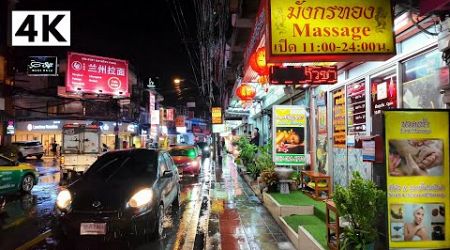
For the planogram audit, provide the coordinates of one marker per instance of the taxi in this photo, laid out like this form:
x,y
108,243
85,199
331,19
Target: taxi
x,y
15,176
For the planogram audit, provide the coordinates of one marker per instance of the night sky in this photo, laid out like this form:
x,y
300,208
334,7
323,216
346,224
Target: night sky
x,y
143,34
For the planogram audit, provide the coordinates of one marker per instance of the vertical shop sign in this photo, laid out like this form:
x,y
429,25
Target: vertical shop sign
x,y
356,108
289,135
417,146
339,118
216,113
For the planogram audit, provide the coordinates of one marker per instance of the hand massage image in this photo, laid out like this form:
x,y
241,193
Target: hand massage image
x,y
416,157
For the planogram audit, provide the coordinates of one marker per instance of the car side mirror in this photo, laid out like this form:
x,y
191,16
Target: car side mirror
x,y
167,174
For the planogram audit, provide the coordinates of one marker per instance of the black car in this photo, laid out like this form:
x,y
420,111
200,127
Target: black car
x,y
124,193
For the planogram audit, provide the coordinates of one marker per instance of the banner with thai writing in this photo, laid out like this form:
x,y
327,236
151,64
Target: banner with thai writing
x,y
339,134
288,140
330,30
417,164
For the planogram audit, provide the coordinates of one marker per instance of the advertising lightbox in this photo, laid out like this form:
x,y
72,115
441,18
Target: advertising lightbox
x,y
289,135
417,177
96,75
329,30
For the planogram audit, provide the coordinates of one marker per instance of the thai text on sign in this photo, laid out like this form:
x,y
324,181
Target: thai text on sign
x,y
299,29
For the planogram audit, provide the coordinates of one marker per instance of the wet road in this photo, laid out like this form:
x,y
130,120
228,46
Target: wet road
x,y
26,217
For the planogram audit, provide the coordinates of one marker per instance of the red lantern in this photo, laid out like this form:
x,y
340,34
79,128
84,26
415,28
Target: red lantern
x,y
258,61
246,92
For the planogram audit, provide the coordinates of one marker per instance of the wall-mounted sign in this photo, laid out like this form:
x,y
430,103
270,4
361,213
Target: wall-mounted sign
x,y
170,114
383,94
291,75
155,117
289,140
96,75
329,30
339,135
42,66
190,104
216,113
10,128
417,178
180,121
356,108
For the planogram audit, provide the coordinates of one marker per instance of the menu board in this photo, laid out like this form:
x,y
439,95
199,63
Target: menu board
x,y
356,108
339,118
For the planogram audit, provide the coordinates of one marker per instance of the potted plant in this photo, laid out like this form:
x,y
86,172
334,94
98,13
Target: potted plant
x,y
359,204
270,179
295,177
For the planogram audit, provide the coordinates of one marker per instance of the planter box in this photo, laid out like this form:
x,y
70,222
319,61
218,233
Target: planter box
x,y
302,239
306,241
285,210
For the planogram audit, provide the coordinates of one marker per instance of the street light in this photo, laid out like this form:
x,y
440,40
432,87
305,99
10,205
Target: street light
x,y
177,80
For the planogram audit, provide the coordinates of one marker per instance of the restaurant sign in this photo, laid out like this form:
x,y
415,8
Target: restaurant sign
x,y
97,75
216,113
330,30
42,66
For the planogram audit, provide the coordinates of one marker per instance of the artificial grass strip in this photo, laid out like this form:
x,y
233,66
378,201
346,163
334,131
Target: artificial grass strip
x,y
312,224
298,198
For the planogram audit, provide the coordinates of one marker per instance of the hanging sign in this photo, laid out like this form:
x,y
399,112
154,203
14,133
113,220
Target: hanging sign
x,y
288,135
339,134
180,121
291,75
330,30
216,113
417,177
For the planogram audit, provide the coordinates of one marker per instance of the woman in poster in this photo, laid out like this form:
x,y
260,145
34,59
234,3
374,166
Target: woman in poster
x,y
416,230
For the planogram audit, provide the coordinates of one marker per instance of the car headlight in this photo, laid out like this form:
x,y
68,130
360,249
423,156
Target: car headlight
x,y
141,198
206,148
64,199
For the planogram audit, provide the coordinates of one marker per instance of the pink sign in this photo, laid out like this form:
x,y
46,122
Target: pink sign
x,y
170,114
96,75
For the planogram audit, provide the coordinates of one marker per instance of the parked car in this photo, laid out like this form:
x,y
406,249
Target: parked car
x,y
187,159
123,193
29,148
15,176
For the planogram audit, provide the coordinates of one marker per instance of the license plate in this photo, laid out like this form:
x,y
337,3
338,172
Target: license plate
x,y
93,229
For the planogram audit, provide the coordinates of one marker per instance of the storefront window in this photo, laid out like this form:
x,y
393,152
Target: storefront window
x,y
383,91
421,80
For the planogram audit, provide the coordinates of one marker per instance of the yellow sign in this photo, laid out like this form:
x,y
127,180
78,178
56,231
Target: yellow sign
x,y
330,30
216,113
289,137
417,158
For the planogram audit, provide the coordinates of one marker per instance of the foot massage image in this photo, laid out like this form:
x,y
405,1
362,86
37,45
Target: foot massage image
x,y
422,157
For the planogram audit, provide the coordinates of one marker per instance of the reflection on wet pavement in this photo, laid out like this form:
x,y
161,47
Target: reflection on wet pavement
x,y
238,220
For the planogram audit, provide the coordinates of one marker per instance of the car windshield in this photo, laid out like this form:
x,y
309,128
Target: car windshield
x,y
122,165
183,152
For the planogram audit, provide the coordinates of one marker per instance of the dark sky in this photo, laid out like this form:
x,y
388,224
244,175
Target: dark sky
x,y
142,32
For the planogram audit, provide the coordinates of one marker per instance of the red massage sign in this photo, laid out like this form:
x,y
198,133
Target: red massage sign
x,y
96,75
329,30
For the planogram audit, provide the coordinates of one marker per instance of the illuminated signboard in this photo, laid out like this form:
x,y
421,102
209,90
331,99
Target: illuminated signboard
x,y
216,113
329,30
96,75
314,75
417,178
289,137
42,66
10,128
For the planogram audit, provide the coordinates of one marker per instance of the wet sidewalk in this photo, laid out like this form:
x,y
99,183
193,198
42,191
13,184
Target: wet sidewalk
x,y
238,219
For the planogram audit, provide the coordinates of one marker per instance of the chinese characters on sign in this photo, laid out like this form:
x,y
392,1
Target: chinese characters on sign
x,y
97,75
288,135
291,75
330,30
